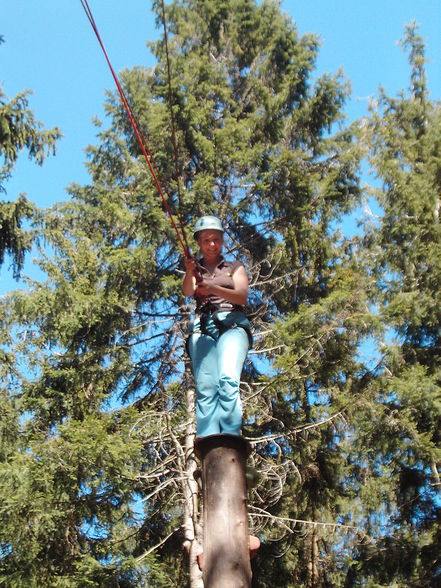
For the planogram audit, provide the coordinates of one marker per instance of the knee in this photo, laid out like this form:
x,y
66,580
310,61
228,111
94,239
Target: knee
x,y
228,383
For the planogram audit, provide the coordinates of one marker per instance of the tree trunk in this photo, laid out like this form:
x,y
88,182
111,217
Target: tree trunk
x,y
193,533
226,558
313,576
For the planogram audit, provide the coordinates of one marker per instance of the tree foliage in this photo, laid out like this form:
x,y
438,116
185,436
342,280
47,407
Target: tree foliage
x,y
18,131
404,253
97,423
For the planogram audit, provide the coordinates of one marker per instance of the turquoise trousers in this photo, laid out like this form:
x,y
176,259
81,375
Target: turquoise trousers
x,y
217,361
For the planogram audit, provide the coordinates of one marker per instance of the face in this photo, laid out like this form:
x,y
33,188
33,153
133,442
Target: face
x,y
210,242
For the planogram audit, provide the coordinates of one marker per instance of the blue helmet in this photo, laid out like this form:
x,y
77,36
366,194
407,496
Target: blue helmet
x,y
207,222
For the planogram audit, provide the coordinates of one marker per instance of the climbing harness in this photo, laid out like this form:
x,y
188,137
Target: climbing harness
x,y
214,322
138,133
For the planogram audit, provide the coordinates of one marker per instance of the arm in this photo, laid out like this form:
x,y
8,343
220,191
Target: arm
x,y
237,295
189,281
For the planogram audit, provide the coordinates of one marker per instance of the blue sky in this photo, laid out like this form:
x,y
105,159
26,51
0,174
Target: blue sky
x,y
50,49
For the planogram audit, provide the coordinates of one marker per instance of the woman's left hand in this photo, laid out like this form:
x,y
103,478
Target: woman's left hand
x,y
204,287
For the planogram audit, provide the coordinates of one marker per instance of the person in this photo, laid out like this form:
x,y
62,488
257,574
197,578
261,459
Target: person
x,y
220,333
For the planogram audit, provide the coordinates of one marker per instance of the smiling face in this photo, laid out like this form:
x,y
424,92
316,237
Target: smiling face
x,y
210,242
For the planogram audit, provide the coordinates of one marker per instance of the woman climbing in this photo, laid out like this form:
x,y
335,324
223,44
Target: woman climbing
x,y
220,334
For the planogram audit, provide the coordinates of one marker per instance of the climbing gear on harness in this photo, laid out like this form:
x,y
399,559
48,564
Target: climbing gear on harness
x,y
217,322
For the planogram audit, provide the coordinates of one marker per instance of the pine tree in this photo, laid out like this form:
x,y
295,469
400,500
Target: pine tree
x,y
402,442
19,130
98,490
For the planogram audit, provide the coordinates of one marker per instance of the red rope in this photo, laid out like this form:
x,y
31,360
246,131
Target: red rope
x,y
142,143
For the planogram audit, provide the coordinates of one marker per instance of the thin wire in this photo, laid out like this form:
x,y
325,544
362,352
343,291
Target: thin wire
x,y
142,142
172,122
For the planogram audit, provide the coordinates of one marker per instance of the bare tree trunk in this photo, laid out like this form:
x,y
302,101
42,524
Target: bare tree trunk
x,y
193,532
315,559
313,577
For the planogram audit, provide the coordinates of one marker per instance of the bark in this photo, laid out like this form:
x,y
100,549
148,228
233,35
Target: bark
x,y
192,527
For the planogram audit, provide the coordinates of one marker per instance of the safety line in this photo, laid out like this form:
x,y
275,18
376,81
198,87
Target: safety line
x,y
172,121
141,141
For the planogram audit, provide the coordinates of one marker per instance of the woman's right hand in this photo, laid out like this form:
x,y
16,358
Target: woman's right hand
x,y
190,279
190,265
